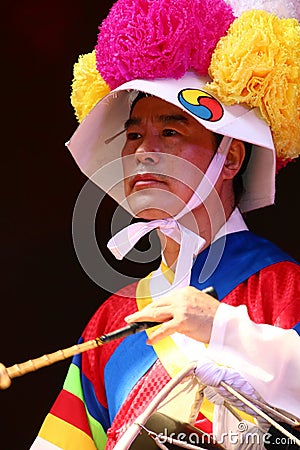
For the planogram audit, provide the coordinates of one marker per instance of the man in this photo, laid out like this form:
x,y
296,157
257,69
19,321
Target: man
x,y
157,135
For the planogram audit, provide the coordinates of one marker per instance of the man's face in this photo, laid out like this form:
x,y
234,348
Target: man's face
x,y
164,158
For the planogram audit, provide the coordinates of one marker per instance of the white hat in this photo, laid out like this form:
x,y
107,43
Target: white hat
x,y
98,141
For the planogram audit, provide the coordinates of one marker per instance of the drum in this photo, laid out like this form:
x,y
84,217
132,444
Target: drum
x,y
164,425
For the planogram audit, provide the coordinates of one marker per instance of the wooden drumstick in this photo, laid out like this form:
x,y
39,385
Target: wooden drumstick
x,y
17,370
31,365
7,374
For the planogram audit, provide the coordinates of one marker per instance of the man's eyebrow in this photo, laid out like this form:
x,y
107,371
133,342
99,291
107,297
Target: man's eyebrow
x,y
164,118
132,121
167,118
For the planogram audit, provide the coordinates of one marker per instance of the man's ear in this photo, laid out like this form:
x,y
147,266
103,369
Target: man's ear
x,y
234,160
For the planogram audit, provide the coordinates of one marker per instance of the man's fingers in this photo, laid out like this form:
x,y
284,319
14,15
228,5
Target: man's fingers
x,y
151,314
164,330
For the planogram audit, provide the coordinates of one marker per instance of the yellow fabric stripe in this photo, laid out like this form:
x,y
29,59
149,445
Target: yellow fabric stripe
x,y
207,409
65,435
168,273
245,416
169,354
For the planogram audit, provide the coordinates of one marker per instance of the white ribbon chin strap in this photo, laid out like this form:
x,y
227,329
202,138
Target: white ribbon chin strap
x,y
190,242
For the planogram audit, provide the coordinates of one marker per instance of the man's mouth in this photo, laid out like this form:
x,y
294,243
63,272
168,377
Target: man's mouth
x,y
144,180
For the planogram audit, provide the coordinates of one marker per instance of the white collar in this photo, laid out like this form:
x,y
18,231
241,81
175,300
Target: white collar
x,y
234,224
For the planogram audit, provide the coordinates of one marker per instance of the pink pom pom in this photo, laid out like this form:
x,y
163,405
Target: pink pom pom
x,y
150,39
281,163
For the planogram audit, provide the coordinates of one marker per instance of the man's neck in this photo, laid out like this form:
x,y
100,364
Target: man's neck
x,y
202,224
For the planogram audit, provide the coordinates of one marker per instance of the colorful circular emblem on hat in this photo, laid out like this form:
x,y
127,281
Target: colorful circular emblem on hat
x,y
201,104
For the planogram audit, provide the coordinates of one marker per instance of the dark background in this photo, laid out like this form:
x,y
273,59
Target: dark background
x,y
46,297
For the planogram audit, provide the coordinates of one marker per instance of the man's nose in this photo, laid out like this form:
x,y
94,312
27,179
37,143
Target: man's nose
x,y
148,152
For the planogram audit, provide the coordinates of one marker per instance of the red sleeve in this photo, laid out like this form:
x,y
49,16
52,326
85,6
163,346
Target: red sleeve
x,y
272,295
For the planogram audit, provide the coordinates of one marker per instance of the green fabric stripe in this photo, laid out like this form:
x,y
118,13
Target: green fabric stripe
x,y
73,385
72,382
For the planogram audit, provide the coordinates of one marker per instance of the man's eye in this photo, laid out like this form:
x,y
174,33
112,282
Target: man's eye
x,y
169,132
133,136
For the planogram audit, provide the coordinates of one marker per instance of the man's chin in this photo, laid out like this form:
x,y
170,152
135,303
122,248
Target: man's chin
x,y
162,205
152,214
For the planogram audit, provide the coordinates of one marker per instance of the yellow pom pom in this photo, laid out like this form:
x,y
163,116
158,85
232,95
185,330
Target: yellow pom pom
x,y
258,63
88,87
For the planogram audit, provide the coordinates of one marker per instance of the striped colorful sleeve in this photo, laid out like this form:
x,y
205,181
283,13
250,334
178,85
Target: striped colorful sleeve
x,y
77,420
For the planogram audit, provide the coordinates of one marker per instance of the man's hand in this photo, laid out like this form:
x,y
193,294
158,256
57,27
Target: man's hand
x,y
187,311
